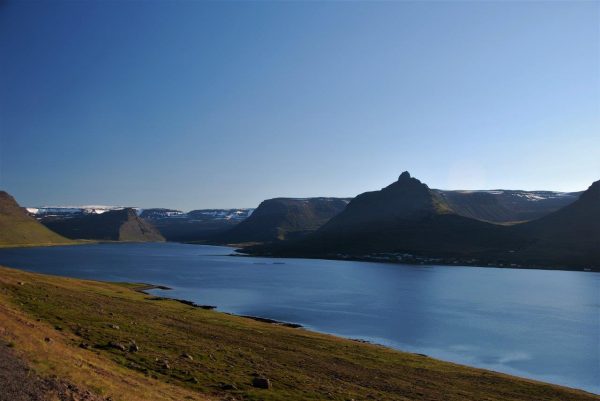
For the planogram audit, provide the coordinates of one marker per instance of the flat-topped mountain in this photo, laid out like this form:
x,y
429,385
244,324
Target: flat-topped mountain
x,y
18,228
506,206
284,218
196,225
114,225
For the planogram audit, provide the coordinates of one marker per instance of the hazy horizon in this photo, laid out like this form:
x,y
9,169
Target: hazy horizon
x,y
191,105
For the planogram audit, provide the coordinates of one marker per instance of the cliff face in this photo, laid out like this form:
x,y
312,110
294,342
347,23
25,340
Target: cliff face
x,y
18,228
114,225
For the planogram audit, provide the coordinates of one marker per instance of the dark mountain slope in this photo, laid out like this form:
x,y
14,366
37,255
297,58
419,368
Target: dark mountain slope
x,y
406,199
407,218
18,228
114,225
569,236
284,218
404,217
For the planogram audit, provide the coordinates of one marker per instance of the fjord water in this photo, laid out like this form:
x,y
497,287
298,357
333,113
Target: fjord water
x,y
533,323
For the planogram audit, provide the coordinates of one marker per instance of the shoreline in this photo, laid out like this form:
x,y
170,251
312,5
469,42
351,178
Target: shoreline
x,y
145,287
242,253
26,289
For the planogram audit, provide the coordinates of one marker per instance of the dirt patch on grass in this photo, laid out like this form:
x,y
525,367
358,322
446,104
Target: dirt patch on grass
x,y
20,383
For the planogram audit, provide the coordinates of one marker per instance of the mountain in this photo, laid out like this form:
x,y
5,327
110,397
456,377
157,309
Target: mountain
x,y
69,211
115,225
284,218
196,225
18,228
409,222
406,198
568,237
506,206
404,217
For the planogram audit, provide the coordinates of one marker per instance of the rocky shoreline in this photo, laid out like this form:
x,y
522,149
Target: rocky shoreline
x,y
144,288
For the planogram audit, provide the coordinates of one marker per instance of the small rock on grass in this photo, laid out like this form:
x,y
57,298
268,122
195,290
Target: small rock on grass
x,y
118,346
261,382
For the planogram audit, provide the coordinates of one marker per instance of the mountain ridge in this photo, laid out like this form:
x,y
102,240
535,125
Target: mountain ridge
x,y
409,218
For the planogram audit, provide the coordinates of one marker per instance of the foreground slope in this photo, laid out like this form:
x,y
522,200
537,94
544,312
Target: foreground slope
x,y
114,225
284,218
182,352
17,228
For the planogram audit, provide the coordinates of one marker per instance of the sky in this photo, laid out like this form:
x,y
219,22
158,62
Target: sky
x,y
193,105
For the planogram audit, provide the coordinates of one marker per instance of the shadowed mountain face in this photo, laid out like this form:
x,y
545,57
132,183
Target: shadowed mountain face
x,y
114,225
569,236
409,218
407,198
284,218
405,216
18,228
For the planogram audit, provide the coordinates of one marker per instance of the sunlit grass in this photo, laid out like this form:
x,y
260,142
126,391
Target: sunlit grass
x,y
226,351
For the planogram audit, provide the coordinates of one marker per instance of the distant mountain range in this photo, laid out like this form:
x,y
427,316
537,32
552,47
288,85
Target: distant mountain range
x,y
17,228
173,225
291,218
506,206
407,221
403,222
112,225
196,225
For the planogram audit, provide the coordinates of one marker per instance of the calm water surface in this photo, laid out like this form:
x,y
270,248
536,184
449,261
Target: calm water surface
x,y
534,323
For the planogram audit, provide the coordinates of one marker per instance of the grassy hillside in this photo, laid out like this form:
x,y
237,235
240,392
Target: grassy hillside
x,y
17,228
183,352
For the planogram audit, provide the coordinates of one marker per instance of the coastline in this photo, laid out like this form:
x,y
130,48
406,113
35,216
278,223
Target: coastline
x,y
170,329
424,261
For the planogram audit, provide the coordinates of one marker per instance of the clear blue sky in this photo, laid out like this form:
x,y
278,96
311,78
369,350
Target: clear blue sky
x,y
191,105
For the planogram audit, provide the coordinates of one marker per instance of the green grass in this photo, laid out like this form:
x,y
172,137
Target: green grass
x,y
229,350
17,232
